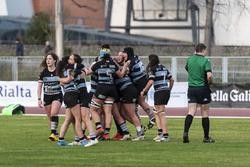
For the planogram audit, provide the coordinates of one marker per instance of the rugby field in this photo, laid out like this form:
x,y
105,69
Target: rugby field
x,y
23,142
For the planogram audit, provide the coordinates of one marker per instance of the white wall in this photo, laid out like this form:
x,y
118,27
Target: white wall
x,y
25,93
231,24
119,19
16,8
3,8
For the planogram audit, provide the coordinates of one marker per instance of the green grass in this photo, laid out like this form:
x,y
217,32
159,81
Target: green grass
x,y
23,142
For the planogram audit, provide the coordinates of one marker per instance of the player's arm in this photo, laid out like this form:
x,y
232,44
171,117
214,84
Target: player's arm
x,y
147,87
88,71
83,72
123,71
149,83
209,72
209,77
171,83
92,69
39,93
67,79
186,67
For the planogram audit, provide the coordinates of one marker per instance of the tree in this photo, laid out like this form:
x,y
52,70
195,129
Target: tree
x,y
39,29
209,35
214,8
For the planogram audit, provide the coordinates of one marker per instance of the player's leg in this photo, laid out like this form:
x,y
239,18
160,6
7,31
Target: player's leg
x,y
47,109
55,108
67,120
148,110
206,123
193,98
140,85
107,108
85,112
192,107
95,106
158,124
121,126
75,110
161,124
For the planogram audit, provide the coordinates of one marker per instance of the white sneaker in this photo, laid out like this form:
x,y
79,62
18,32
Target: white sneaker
x,y
74,143
138,138
91,143
163,139
125,137
158,137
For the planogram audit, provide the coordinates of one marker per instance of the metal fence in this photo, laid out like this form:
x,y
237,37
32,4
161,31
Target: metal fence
x,y
225,69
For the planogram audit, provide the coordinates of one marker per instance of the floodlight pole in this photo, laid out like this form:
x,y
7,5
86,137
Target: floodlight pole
x,y
128,16
109,14
195,34
59,27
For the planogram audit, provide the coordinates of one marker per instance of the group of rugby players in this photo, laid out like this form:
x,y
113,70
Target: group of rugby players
x,y
118,85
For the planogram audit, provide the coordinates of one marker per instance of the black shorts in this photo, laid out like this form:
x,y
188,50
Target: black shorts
x,y
161,97
91,94
117,99
129,95
71,99
140,84
48,99
84,97
104,91
199,95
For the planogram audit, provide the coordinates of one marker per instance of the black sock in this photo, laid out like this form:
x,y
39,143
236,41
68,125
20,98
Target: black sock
x,y
159,132
205,125
83,132
106,130
54,124
77,139
165,135
137,111
92,136
188,122
54,132
61,138
150,113
82,138
124,128
98,125
118,128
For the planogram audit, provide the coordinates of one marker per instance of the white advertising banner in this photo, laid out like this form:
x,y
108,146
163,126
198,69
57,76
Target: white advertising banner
x,y
18,92
178,96
25,93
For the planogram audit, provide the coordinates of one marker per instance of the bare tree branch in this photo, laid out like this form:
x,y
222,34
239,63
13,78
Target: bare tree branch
x,y
83,6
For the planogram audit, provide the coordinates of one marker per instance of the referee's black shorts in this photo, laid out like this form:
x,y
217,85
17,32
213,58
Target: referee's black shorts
x,y
199,95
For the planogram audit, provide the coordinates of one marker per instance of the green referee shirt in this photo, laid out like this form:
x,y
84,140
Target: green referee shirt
x,y
197,67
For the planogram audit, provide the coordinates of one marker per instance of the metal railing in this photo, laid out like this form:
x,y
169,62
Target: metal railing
x,y
225,69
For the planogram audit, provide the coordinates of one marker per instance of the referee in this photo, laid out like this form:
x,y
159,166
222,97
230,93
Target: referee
x,y
199,77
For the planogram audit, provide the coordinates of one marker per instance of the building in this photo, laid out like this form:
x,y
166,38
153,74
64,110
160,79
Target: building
x,y
162,19
79,12
13,8
88,13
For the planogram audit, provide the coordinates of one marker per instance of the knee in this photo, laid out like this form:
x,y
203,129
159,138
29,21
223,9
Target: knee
x,y
95,105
